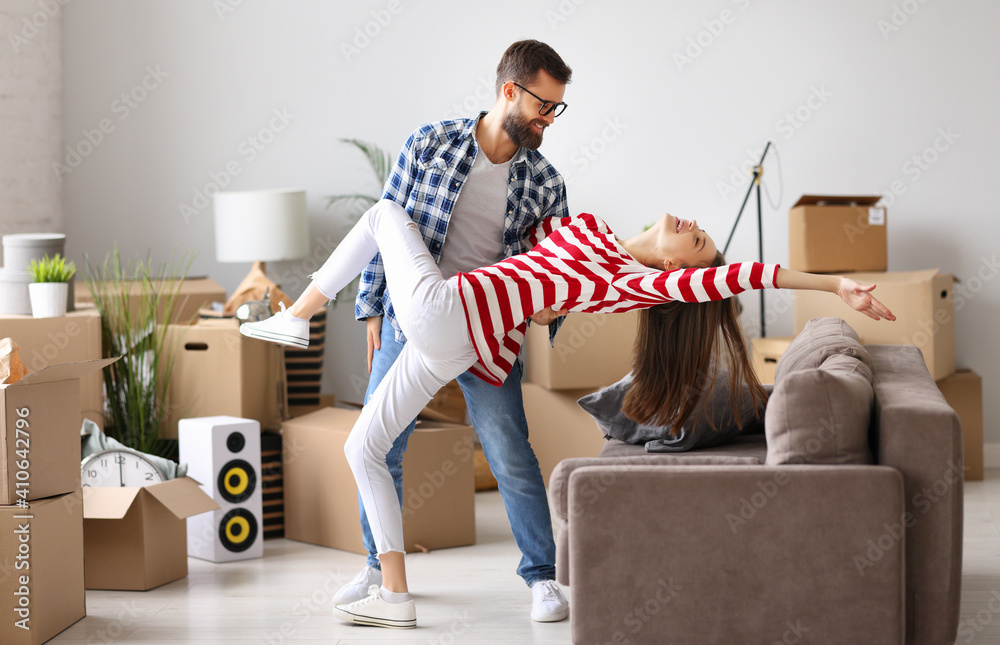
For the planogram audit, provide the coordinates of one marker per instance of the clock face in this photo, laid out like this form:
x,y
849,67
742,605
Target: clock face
x,y
118,467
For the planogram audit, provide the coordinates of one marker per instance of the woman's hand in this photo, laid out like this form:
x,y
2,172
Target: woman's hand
x,y
858,296
547,315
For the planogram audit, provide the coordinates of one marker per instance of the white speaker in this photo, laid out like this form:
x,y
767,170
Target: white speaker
x,y
223,455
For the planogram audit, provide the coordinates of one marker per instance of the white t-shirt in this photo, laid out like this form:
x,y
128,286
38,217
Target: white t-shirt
x,y
476,228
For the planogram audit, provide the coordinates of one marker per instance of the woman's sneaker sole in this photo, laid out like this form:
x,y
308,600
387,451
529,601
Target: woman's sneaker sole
x,y
373,622
282,339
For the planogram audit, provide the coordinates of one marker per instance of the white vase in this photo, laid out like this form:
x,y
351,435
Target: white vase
x,y
48,299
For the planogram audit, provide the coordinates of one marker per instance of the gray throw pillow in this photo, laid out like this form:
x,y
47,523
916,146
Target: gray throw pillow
x,y
606,408
821,415
818,340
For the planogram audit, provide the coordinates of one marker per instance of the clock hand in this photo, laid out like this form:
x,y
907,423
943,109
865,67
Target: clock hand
x,y
121,474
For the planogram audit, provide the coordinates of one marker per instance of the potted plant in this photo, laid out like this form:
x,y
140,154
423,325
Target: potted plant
x,y
49,288
136,301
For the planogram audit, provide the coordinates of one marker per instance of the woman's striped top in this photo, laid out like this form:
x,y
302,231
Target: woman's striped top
x,y
577,264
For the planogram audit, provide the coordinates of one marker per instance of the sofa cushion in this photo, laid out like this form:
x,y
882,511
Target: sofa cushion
x,y
713,421
818,340
821,415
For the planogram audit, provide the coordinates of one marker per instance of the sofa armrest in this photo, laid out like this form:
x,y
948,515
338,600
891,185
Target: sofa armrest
x,y
558,490
734,554
919,434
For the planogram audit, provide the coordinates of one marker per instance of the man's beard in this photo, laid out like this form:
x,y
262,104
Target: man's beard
x,y
521,131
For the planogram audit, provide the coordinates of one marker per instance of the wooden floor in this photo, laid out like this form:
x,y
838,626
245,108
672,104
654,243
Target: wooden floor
x,y
464,595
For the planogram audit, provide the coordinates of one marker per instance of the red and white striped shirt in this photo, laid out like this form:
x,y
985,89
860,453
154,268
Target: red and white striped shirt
x,y
577,264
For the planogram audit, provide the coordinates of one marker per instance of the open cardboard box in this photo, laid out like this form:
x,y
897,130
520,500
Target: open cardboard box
x,y
64,339
40,432
135,538
835,233
41,556
321,496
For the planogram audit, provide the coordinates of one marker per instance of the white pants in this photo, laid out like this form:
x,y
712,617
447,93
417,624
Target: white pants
x,y
438,348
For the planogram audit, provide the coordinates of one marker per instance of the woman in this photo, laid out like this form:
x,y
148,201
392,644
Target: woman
x,y
476,321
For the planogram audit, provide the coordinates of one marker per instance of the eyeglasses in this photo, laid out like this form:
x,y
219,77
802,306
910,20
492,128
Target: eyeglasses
x,y
547,106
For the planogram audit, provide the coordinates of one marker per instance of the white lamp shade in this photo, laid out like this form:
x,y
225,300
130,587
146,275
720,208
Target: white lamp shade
x,y
261,225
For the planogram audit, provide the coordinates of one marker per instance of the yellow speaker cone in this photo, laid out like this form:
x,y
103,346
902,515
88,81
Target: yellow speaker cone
x,y
242,529
238,530
241,478
237,481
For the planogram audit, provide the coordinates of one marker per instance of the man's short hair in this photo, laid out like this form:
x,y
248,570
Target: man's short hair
x,y
522,60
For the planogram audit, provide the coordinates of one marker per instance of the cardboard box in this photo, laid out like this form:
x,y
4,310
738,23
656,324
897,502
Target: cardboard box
x,y
449,402
135,538
964,392
40,425
558,427
766,352
218,371
591,351
832,234
325,401
194,294
66,339
923,302
321,496
41,554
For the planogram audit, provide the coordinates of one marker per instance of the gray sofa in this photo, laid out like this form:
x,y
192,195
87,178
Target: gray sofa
x,y
718,546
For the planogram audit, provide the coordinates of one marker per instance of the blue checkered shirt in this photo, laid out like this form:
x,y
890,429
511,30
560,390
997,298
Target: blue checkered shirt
x,y
426,181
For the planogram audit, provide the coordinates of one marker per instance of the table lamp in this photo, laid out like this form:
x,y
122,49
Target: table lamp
x,y
259,226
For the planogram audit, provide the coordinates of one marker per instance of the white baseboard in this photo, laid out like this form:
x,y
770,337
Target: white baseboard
x,y
991,455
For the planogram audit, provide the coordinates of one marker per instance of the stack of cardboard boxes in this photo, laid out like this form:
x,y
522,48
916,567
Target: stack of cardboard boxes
x,y
591,352
41,508
134,538
847,236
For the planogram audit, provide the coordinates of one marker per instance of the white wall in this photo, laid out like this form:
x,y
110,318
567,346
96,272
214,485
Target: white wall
x,y
645,132
30,116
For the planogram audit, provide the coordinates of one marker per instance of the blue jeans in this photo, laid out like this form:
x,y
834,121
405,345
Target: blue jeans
x,y
498,416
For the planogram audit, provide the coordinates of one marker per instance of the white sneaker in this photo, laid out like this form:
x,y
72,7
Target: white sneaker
x,y
548,605
278,329
374,611
357,588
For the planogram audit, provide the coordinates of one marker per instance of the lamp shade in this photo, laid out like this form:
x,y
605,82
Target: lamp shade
x,y
261,225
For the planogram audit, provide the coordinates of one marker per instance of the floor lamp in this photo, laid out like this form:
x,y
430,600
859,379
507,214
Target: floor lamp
x,y
758,171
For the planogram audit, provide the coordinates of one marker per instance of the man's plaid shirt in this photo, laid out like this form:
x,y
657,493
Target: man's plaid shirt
x,y
426,181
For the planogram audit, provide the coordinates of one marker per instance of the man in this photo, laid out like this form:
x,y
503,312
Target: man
x,y
475,187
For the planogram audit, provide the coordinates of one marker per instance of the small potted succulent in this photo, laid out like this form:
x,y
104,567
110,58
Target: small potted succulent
x,y
49,286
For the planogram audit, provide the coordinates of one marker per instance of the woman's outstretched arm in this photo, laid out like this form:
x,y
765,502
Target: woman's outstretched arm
x,y
855,294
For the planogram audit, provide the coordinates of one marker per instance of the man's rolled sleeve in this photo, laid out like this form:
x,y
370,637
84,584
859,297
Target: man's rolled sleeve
x,y
371,290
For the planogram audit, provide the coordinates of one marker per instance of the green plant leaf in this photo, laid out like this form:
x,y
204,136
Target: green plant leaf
x,y
378,159
135,301
54,269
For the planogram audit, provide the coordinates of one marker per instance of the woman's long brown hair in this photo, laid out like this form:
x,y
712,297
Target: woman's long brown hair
x,y
679,348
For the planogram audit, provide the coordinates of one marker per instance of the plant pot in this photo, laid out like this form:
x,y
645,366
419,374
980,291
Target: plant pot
x,y
48,299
